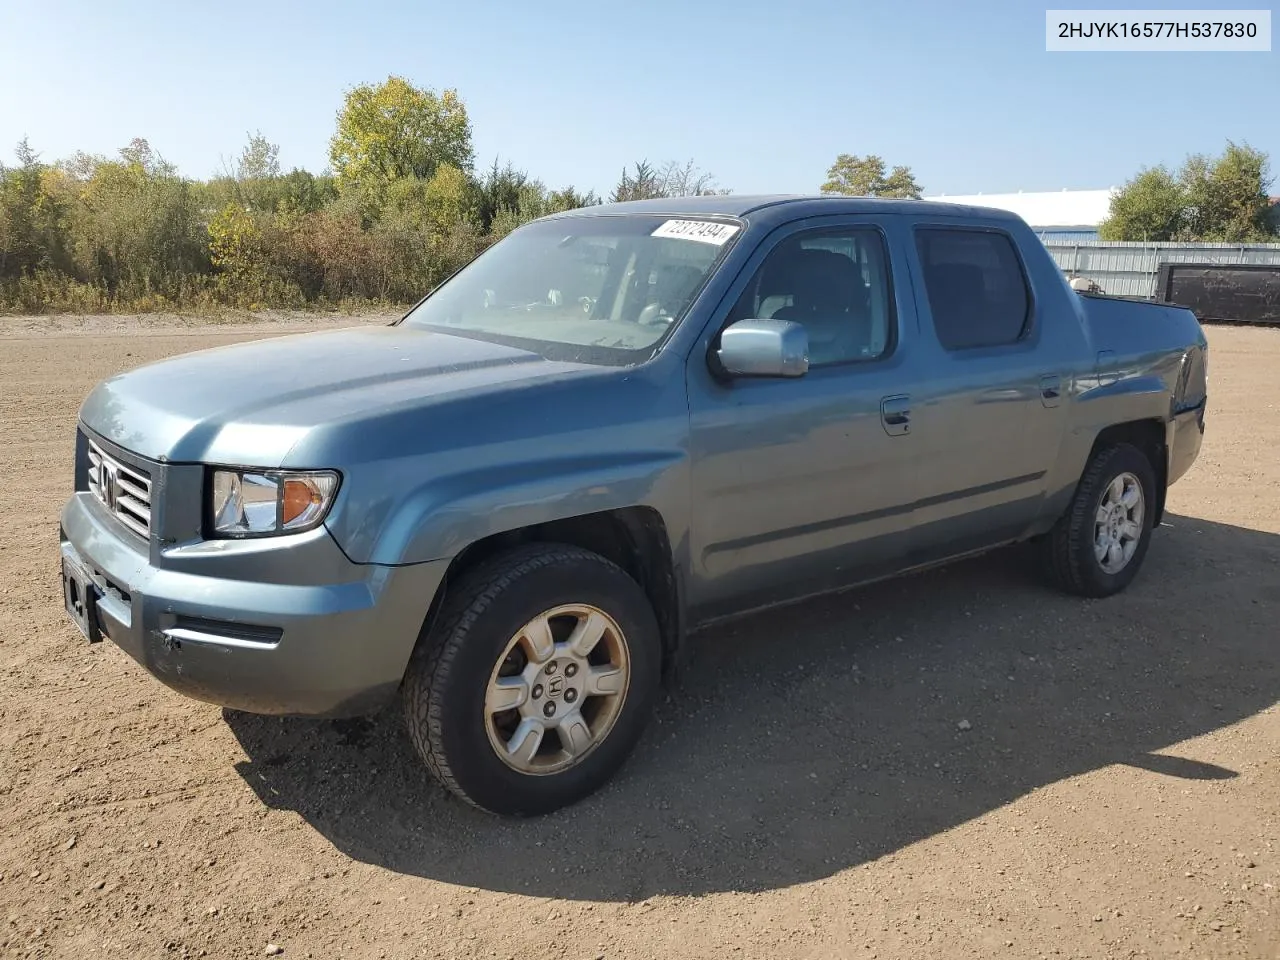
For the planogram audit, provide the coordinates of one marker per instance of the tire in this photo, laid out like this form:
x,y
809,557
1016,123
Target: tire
x,y
492,623
1069,552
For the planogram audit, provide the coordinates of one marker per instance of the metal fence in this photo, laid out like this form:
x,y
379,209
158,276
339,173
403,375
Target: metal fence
x,y
1068,236
1130,269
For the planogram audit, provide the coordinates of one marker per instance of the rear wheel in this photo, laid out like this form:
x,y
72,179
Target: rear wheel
x,y
538,681
1097,547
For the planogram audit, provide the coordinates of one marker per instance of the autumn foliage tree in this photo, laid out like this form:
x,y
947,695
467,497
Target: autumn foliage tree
x,y
401,209
393,130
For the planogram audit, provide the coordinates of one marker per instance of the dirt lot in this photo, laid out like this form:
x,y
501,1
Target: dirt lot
x,y
806,791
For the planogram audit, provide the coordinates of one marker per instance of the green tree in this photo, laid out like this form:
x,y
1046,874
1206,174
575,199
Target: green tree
x,y
506,197
644,184
259,160
901,183
433,204
1227,197
32,211
529,202
1149,207
136,226
257,172
856,176
569,199
1211,199
252,179
500,190
302,191
394,130
236,245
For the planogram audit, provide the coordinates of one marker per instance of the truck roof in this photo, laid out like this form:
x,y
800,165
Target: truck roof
x,y
785,207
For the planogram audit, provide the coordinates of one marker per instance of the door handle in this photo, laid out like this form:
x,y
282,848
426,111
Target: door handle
x,y
895,415
1050,390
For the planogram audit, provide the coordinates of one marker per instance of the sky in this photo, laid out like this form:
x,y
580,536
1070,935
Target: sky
x,y
763,95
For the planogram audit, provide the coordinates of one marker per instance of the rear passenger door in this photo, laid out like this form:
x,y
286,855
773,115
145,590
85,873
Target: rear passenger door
x,y
989,416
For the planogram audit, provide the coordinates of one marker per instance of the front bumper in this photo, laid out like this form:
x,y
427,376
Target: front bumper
x,y
244,624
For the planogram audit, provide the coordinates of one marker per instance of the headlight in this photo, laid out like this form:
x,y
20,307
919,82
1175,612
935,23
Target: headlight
x,y
248,503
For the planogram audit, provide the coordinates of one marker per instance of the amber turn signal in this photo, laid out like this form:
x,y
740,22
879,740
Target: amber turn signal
x,y
300,497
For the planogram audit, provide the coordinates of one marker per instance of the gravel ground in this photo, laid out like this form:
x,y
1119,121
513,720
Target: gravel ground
x,y
957,764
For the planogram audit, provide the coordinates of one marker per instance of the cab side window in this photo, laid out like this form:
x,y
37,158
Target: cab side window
x,y
977,292
834,283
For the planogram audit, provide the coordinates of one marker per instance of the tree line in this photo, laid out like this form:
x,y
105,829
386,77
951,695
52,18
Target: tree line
x,y
401,207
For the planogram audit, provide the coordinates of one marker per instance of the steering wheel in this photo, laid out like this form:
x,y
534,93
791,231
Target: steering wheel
x,y
654,314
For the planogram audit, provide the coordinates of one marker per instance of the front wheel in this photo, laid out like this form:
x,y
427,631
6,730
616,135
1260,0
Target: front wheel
x,y
1097,547
538,681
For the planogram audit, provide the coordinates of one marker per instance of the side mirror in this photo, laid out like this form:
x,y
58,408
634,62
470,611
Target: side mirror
x,y
764,348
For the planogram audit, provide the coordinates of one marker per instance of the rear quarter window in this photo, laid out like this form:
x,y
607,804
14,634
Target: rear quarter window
x,y
976,287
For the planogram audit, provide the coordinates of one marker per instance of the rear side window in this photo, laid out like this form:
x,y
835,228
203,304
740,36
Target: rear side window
x,y
977,292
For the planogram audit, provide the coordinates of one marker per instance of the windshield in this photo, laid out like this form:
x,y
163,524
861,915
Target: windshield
x,y
597,289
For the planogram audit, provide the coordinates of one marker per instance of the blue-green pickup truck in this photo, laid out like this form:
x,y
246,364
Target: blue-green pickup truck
x,y
511,508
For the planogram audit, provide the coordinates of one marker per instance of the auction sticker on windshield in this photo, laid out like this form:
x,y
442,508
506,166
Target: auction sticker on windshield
x,y
700,230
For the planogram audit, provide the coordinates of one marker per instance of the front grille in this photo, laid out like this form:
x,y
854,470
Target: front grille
x,y
125,491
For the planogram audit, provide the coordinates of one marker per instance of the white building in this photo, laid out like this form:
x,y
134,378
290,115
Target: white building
x,y
1074,213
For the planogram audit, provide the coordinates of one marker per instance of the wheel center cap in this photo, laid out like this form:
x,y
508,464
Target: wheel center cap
x,y
555,686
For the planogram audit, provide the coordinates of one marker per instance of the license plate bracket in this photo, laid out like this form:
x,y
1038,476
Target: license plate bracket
x,y
81,599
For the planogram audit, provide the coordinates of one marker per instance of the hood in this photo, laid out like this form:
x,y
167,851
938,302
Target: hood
x,y
251,403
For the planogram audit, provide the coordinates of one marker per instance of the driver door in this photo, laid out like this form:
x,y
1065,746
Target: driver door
x,y
798,486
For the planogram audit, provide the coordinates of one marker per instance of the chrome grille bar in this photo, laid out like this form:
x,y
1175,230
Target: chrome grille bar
x,y
123,490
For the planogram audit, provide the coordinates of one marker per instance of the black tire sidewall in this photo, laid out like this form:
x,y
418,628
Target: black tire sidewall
x,y
1119,459
477,771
